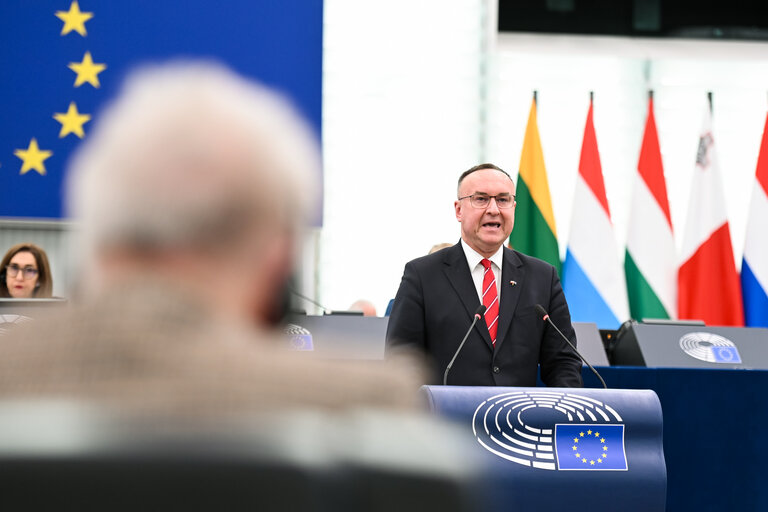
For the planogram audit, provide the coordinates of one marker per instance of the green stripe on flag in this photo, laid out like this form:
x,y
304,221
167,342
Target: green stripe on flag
x,y
643,301
531,234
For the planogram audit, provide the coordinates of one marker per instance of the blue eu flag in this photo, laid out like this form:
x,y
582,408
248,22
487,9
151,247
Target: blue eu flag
x,y
63,59
590,447
726,354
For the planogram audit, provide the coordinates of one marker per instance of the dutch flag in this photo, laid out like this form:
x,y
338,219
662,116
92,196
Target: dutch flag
x,y
754,266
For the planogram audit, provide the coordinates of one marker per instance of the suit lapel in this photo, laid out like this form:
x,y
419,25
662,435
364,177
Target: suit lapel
x,y
512,272
458,274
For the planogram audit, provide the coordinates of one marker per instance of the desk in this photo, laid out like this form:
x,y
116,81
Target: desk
x,y
715,433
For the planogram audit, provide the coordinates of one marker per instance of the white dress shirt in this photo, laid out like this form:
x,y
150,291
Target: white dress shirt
x,y
477,270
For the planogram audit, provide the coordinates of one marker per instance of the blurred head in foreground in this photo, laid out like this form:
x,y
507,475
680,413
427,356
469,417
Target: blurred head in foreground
x,y
190,193
198,177
25,272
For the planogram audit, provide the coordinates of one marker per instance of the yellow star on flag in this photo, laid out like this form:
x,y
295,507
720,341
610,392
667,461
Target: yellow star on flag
x,y
33,157
87,71
74,19
72,121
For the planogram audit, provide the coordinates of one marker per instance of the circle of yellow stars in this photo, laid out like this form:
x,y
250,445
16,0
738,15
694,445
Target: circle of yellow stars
x,y
584,460
72,121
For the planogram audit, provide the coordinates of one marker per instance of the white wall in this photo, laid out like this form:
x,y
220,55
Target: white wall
x,y
401,118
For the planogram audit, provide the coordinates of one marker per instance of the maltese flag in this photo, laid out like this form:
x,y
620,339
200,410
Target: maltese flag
x,y
708,284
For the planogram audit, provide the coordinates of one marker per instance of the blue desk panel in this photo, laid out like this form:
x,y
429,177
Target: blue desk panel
x,y
715,433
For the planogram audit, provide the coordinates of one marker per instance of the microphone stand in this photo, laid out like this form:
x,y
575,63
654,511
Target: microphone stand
x,y
545,316
478,314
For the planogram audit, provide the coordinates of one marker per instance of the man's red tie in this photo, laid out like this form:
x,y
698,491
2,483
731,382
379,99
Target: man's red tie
x,y
490,300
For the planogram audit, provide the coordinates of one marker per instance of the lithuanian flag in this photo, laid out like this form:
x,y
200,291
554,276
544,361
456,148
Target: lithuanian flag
x,y
534,233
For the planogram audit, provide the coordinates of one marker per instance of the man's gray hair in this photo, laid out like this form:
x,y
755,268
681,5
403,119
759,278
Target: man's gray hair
x,y
191,155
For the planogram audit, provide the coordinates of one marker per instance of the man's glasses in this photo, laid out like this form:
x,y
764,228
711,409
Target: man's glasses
x,y
483,200
28,272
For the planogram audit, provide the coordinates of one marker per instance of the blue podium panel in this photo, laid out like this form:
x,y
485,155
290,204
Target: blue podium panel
x,y
559,449
715,428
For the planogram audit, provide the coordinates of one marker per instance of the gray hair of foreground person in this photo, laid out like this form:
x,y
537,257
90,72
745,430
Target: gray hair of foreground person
x,y
199,173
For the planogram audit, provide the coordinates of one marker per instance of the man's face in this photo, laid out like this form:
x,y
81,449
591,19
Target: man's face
x,y
485,229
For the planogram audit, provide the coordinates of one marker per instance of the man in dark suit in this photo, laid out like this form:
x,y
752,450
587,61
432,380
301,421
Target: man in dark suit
x,y
439,294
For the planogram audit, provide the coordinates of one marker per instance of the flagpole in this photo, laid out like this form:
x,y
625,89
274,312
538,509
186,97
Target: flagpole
x,y
709,99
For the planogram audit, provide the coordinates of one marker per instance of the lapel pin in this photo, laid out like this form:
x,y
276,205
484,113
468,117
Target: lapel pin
x,y
513,283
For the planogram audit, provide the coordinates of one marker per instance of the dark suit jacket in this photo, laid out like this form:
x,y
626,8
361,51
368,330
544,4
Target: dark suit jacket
x,y
434,308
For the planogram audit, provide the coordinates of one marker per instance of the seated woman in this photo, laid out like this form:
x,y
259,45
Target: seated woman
x,y
25,273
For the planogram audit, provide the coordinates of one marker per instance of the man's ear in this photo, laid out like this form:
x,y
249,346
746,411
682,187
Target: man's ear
x,y
276,273
457,207
279,308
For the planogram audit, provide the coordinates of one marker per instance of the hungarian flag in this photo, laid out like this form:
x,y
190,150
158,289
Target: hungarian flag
x,y
650,261
754,266
534,233
593,280
708,284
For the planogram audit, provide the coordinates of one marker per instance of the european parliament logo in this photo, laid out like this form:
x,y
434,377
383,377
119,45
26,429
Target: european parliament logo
x,y
9,322
299,338
551,430
710,347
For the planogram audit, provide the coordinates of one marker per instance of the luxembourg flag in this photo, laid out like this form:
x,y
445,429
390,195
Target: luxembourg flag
x,y
708,284
650,261
754,266
593,280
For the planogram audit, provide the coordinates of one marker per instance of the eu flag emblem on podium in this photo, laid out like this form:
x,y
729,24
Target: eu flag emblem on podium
x,y
590,447
726,355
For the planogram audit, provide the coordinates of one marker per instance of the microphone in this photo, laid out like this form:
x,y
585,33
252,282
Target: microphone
x,y
326,311
545,316
479,312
